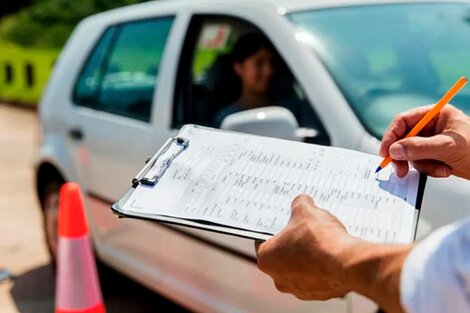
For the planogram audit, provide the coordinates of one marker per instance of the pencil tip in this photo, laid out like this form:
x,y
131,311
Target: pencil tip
x,y
378,170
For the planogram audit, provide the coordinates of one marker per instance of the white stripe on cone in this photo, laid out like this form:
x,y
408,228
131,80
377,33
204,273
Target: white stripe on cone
x,y
77,280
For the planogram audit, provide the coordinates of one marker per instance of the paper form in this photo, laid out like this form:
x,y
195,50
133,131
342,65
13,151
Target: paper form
x,y
249,182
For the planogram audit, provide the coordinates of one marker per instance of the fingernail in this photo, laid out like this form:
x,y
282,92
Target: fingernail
x,y
397,152
442,172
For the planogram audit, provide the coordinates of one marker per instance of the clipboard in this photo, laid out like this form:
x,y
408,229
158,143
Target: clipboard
x,y
154,170
157,165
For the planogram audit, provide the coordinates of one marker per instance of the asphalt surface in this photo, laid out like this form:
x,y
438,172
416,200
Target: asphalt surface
x,y
22,249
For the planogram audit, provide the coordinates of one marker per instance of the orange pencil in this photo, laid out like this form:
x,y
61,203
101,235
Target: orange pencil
x,y
429,116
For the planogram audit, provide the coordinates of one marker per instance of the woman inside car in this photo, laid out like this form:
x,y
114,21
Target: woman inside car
x,y
252,64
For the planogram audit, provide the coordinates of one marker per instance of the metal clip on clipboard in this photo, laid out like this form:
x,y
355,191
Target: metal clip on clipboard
x,y
152,171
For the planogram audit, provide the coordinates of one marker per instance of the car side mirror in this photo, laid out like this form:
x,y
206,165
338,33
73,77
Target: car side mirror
x,y
271,121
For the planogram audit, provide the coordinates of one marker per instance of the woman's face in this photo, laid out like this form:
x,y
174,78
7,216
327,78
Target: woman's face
x,y
256,71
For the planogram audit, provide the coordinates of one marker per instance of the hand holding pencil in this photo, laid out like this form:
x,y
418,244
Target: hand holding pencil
x,y
441,149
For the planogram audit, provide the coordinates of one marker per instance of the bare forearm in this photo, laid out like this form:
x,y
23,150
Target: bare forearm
x,y
373,270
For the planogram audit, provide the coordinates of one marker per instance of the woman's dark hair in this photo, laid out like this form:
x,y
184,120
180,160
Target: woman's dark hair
x,y
228,87
249,44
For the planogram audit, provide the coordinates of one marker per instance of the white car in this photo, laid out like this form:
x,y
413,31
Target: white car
x,y
129,78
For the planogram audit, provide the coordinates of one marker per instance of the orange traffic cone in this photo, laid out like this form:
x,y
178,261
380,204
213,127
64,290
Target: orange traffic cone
x,y
77,285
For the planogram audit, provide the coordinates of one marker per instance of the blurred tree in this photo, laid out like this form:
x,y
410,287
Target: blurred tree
x,y
48,23
8,7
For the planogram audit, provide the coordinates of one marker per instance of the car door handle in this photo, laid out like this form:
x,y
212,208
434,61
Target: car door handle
x,y
76,134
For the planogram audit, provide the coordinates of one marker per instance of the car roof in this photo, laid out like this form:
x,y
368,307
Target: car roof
x,y
279,6
295,5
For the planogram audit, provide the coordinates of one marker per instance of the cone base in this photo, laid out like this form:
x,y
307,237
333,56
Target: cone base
x,y
97,309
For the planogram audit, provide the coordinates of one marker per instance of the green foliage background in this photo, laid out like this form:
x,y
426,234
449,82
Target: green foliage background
x,y
36,35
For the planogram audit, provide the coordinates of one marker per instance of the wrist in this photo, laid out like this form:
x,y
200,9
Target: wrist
x,y
374,270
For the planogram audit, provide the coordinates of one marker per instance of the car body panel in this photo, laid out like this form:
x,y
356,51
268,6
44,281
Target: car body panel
x,y
193,272
52,151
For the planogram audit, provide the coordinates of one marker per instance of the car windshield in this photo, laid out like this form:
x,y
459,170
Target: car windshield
x,y
389,58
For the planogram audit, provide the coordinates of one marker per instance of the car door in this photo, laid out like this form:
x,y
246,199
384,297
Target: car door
x,y
202,87
111,127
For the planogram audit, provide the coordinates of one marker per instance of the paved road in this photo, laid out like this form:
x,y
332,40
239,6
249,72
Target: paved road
x,y
22,248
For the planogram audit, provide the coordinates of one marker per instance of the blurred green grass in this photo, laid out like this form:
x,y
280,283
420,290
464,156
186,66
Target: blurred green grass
x,y
42,61
36,34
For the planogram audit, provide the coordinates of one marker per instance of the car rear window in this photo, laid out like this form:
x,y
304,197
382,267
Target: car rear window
x,y
120,76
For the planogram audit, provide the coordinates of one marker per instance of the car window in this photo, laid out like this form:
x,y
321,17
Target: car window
x,y
214,40
121,73
209,86
88,83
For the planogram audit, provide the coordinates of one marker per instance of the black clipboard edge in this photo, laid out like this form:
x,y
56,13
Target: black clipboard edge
x,y
421,186
419,201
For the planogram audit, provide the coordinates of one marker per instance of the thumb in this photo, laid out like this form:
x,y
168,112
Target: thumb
x,y
422,148
301,207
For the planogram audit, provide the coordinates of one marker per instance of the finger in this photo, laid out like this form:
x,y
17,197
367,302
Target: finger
x,y
266,253
301,207
401,168
258,243
262,258
437,147
264,249
282,287
432,168
323,296
306,296
400,126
